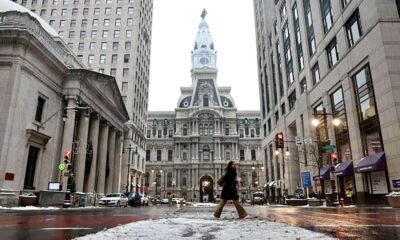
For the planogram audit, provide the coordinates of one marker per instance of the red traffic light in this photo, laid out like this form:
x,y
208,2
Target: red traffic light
x,y
67,154
334,157
279,140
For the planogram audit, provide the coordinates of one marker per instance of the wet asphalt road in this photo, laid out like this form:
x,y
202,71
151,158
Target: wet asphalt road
x,y
343,223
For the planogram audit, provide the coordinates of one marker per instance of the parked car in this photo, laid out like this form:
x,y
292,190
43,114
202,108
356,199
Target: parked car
x,y
145,201
114,199
134,199
164,201
179,200
258,198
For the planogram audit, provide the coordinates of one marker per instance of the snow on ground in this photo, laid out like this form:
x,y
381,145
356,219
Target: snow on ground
x,y
28,208
203,205
205,226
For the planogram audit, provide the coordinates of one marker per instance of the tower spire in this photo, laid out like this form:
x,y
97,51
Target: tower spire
x,y
203,14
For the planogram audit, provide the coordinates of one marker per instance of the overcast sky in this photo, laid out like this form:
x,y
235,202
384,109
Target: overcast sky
x,y
175,26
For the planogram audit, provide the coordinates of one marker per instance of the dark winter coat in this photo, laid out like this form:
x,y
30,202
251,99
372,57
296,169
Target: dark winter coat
x,y
229,191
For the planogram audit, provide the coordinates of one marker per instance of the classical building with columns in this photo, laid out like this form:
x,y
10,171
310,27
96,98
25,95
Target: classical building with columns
x,y
188,149
51,104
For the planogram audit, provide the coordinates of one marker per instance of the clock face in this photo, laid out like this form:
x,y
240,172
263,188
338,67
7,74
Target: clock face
x,y
203,60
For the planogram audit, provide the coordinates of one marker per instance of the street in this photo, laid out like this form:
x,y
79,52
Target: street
x,y
342,223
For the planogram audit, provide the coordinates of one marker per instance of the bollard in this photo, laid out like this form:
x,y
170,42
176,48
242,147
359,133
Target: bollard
x,y
341,202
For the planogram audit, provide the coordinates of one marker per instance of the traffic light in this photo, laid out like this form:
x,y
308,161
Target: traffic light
x,y
334,158
67,160
279,140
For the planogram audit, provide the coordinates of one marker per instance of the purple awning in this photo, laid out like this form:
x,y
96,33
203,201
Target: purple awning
x,y
325,174
344,169
371,163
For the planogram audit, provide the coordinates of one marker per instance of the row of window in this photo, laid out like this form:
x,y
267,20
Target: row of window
x,y
66,2
85,11
103,46
206,154
95,22
82,34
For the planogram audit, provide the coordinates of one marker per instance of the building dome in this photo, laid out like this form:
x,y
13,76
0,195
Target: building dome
x,y
10,6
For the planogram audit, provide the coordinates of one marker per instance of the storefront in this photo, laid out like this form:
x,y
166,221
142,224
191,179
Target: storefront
x,y
344,173
374,171
322,180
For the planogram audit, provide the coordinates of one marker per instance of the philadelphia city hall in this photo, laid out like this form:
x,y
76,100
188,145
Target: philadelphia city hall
x,y
189,148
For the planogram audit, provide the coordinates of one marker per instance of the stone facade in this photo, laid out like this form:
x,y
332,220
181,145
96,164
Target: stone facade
x,y
189,148
51,104
334,59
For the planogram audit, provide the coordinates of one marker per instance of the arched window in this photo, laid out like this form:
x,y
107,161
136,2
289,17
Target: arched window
x,y
211,129
147,179
206,153
205,100
201,129
169,179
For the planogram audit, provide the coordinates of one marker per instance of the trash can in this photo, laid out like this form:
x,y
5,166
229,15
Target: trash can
x,y
82,199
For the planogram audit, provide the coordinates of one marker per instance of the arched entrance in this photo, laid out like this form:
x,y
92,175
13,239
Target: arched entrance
x,y
206,189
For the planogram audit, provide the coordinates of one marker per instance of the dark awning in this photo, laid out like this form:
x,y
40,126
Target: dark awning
x,y
325,174
371,163
344,169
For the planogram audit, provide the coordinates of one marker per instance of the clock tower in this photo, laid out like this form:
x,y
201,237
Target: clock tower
x,y
204,55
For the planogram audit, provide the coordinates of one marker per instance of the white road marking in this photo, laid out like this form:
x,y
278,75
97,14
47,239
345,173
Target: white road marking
x,y
67,228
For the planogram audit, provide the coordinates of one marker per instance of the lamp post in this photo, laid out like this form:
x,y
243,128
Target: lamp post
x,y
130,148
336,122
157,180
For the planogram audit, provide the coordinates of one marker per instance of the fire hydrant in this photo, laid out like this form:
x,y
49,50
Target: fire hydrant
x,y
341,202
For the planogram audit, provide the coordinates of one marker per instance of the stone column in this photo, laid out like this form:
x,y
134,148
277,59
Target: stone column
x,y
94,140
101,170
80,160
117,163
68,135
111,156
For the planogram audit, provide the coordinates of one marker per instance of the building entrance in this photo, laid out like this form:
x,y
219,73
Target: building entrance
x,y
206,189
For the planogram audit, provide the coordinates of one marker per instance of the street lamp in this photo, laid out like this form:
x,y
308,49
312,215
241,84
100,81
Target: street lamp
x,y
130,148
336,122
157,181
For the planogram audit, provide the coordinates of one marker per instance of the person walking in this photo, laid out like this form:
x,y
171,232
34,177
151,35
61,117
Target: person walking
x,y
349,195
229,191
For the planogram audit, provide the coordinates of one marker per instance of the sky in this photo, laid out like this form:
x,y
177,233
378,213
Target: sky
x,y
175,26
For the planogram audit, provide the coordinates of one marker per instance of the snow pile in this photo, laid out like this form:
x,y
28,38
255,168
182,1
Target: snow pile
x,y
204,226
203,205
28,208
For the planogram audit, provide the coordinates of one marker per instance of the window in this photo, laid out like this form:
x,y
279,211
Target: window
x,y
118,22
44,2
309,26
241,155
344,3
326,14
101,70
303,86
127,45
81,46
283,109
106,22
43,12
64,12
90,59
40,109
62,23
300,57
170,133
52,23
115,45
94,34
96,11
252,133
205,100
159,133
276,116
128,33
84,23
105,33
125,72
353,28
126,58
73,23
158,155
241,134
113,72
71,45
130,10
253,154
55,2
206,153
227,130
332,53
315,73
124,87
147,155
102,58
53,12
65,2
283,11
95,22
148,135
114,58
119,10
184,156
185,130
292,99
104,45
82,34
86,11
129,21
107,11
367,112
80,57
74,11
61,34
108,1
228,156
116,33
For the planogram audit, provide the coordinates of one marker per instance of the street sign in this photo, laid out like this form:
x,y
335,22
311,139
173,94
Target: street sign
x,y
61,167
329,147
298,140
66,174
306,179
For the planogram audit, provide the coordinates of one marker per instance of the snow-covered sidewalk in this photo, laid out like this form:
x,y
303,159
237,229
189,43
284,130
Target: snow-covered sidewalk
x,y
203,225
